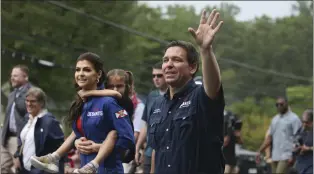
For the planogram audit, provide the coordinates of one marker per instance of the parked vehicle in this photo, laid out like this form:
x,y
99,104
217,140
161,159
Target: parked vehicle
x,y
247,163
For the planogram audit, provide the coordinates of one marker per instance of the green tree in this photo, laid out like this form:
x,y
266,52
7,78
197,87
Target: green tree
x,y
300,98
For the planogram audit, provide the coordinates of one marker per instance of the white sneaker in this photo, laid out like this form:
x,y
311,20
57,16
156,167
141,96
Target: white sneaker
x,y
89,168
47,163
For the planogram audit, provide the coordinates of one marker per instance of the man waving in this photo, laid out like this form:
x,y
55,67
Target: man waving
x,y
186,124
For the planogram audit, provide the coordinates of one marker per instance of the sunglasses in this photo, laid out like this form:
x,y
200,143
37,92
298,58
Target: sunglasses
x,y
279,104
157,75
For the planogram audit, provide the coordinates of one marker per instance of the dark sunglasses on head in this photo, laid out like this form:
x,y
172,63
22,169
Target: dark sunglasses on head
x,y
279,104
157,75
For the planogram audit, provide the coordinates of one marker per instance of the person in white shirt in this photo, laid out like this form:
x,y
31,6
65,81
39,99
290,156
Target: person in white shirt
x,y
41,134
139,107
137,117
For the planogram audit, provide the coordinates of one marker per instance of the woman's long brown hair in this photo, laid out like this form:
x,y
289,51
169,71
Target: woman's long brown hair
x,y
77,104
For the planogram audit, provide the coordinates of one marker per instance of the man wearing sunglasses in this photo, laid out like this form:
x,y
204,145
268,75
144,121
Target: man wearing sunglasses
x,y
283,130
160,84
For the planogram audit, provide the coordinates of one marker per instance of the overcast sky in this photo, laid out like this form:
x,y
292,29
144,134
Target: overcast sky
x,y
249,9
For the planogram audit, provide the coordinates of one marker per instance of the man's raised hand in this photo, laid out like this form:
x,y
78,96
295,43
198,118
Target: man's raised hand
x,y
207,29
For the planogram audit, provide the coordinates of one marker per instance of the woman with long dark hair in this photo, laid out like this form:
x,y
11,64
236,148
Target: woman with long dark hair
x,y
94,119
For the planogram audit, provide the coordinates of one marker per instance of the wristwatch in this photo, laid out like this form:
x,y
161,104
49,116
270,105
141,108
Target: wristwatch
x,y
16,155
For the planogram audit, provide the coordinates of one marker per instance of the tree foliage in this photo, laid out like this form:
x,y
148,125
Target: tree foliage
x,y
256,117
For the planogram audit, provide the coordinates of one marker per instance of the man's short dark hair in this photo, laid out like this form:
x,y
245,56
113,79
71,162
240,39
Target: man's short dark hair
x,y
283,98
158,65
192,54
309,113
23,68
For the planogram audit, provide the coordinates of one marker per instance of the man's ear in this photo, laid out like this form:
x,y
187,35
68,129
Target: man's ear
x,y
193,68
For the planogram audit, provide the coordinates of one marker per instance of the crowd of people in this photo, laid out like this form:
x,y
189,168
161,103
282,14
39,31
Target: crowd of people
x,y
178,129
289,141
288,144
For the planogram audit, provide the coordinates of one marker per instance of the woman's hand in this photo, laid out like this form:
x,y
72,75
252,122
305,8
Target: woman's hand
x,y
85,146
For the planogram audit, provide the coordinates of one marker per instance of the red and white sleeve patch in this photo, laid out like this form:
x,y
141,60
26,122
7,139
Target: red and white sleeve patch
x,y
121,114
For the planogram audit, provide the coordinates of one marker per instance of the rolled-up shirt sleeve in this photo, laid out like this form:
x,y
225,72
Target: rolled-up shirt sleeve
x,y
272,127
121,123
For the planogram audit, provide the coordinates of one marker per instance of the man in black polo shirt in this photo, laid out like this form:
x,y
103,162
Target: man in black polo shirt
x,y
186,124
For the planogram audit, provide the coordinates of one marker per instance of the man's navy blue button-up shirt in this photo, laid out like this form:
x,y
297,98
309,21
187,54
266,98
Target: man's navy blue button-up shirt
x,y
187,132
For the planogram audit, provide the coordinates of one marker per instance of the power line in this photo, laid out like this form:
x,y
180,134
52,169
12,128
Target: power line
x,y
256,87
253,89
59,48
268,71
125,28
248,89
107,22
33,41
250,73
24,56
36,42
43,39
